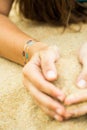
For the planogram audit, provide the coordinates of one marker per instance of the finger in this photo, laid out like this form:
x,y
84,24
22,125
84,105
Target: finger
x,y
82,79
33,73
83,54
76,98
48,59
79,112
47,101
44,100
52,114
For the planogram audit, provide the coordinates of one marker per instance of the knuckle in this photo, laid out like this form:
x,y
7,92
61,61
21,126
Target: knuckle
x,y
48,56
46,62
52,91
51,105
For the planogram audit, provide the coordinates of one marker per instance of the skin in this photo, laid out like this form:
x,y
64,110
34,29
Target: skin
x,y
10,48
40,69
80,96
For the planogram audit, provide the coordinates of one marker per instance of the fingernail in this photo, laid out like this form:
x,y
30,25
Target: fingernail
x,y
60,111
61,98
68,115
58,118
51,74
82,84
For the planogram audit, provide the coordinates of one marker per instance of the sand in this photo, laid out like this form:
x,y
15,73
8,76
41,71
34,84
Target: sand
x,y
17,108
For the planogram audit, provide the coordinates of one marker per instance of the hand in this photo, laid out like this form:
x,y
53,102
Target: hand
x,y
81,83
82,79
37,76
75,99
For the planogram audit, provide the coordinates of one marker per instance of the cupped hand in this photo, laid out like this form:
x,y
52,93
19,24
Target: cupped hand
x,y
82,84
77,98
37,76
82,79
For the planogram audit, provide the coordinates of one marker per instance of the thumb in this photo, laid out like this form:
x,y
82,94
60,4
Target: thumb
x,y
82,78
48,59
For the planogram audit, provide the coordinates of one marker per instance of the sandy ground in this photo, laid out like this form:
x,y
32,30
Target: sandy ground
x,y
17,108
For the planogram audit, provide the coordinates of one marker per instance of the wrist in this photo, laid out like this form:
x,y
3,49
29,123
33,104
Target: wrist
x,y
30,48
36,48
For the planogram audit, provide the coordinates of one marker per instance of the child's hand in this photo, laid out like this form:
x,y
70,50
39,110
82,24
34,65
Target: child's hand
x,y
81,83
37,76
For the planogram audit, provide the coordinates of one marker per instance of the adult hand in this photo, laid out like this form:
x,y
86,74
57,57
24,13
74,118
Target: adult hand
x,y
37,76
81,83
75,99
